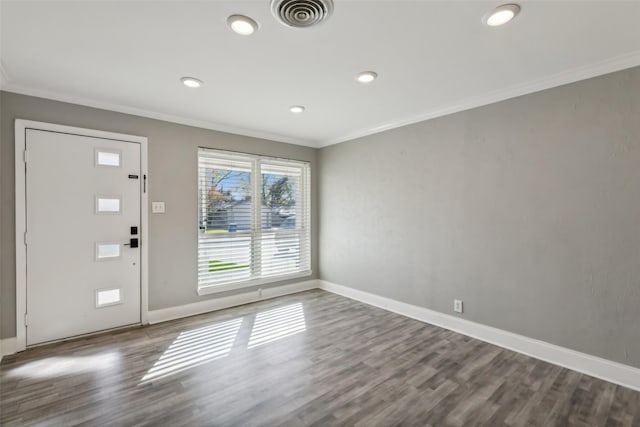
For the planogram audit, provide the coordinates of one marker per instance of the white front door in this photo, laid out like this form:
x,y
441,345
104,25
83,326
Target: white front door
x,y
82,212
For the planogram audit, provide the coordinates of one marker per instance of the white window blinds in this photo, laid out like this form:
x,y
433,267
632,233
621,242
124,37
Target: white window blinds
x,y
254,220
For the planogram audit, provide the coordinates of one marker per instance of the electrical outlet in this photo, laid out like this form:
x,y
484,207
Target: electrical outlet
x,y
457,305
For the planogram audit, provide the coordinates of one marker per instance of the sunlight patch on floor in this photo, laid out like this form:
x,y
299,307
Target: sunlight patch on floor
x,y
276,324
198,346
195,347
58,366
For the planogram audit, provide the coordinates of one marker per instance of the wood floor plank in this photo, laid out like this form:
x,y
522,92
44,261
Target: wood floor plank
x,y
312,359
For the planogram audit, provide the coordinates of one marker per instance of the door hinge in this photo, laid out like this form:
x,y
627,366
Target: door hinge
x,y
25,156
26,319
25,238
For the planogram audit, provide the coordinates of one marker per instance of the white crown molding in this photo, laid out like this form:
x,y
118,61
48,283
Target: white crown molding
x,y
607,66
11,86
178,312
607,370
621,62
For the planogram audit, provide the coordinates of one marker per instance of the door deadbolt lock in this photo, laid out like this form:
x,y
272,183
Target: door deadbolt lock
x,y
133,242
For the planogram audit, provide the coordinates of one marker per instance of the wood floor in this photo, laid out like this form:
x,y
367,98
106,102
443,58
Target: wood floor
x,y
312,358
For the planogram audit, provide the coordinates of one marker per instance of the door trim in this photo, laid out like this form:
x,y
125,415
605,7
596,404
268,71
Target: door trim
x,y
21,127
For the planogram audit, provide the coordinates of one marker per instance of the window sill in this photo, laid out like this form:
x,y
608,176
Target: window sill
x,y
208,290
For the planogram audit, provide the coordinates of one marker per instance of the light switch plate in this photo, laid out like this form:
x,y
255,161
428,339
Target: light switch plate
x,y
157,207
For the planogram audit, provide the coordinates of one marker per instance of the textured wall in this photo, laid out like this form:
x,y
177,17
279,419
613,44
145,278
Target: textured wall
x,y
172,178
528,210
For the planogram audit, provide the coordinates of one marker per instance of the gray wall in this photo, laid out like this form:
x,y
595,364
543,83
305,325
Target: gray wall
x,y
172,178
528,210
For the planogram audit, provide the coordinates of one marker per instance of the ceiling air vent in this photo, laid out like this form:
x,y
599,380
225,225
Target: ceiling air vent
x,y
301,13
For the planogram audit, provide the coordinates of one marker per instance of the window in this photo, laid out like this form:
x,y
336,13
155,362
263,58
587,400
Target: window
x,y
253,218
107,297
107,158
107,251
108,204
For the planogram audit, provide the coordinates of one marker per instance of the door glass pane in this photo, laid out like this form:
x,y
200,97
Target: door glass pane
x,y
108,297
107,204
108,251
107,158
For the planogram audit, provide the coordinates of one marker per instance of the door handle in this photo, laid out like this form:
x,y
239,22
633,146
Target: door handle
x,y
133,242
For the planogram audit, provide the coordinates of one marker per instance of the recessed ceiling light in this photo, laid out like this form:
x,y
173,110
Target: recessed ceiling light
x,y
242,24
366,76
501,15
191,82
296,109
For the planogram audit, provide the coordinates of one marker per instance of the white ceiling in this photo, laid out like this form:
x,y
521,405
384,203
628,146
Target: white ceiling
x,y
433,58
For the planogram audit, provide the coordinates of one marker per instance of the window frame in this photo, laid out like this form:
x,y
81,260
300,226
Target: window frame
x,y
305,233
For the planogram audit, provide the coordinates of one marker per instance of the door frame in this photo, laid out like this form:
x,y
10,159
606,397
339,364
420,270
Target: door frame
x,y
21,126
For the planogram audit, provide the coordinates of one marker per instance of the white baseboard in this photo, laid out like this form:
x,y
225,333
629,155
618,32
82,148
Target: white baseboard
x,y
617,373
171,313
7,346
614,372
